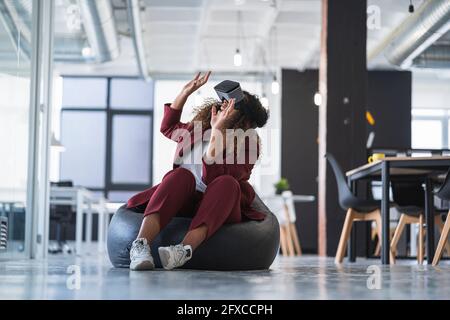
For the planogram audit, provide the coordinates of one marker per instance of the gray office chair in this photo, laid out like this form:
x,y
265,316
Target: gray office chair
x,y
444,193
409,199
358,209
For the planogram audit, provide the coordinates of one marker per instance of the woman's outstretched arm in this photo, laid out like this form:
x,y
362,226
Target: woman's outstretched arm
x,y
190,88
172,111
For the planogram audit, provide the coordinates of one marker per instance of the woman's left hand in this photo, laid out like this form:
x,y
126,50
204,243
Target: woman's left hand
x,y
219,118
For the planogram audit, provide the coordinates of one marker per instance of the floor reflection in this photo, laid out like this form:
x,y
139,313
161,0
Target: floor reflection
x,y
306,277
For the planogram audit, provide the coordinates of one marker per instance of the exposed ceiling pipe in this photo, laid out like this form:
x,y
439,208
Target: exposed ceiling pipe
x,y
415,34
134,20
100,27
436,56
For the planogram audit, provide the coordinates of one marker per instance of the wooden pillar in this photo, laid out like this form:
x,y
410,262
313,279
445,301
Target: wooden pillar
x,y
342,124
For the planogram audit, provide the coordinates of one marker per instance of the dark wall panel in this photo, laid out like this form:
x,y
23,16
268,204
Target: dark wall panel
x,y
389,100
299,148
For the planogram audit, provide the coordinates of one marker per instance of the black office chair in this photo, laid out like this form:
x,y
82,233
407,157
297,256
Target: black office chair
x,y
409,198
358,209
62,218
443,193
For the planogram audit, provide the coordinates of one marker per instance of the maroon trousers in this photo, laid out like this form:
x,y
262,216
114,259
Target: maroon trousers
x,y
176,195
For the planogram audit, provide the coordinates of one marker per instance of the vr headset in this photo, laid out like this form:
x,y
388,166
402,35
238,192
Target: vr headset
x,y
227,90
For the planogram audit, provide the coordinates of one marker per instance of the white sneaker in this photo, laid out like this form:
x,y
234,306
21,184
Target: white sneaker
x,y
174,256
140,255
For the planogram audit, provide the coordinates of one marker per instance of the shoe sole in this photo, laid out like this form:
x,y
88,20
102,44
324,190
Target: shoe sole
x,y
143,265
164,257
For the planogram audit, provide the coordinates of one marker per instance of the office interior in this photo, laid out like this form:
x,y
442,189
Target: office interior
x,y
82,91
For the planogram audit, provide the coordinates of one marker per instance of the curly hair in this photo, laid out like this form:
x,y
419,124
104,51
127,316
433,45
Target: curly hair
x,y
255,117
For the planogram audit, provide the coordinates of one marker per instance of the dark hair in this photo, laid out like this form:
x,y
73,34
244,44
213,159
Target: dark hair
x,y
256,113
254,116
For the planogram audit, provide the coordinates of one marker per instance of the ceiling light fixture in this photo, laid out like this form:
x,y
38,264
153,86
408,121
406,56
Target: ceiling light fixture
x,y
87,52
317,99
237,58
411,7
275,85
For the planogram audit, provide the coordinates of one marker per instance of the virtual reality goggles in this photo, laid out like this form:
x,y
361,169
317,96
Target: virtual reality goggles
x,y
227,90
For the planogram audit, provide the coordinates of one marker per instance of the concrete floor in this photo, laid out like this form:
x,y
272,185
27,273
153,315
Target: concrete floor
x,y
307,277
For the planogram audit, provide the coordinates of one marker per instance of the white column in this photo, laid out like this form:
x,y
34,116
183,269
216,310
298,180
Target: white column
x,y
39,140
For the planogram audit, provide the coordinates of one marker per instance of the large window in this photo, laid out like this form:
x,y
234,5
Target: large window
x,y
430,128
106,129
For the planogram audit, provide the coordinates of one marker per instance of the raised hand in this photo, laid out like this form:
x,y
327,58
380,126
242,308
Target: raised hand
x,y
195,83
219,118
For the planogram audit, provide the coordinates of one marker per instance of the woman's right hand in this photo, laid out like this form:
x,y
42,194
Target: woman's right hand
x,y
195,83
219,121
219,118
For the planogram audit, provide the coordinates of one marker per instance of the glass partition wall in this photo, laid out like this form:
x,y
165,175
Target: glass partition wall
x,y
21,92
15,76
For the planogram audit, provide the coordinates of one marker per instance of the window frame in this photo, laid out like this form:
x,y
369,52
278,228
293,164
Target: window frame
x,y
110,112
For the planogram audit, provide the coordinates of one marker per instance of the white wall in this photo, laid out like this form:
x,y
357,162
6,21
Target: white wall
x,y
265,173
430,90
14,112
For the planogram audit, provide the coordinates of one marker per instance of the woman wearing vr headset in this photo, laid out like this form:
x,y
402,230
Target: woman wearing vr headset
x,y
209,180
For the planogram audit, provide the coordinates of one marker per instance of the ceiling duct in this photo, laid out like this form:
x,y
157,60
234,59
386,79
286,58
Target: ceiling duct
x,y
98,24
134,19
416,33
436,56
100,27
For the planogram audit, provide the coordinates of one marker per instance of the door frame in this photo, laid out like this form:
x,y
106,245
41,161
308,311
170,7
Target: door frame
x,y
37,204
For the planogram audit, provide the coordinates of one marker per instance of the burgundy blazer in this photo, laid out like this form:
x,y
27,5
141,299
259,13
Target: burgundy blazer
x,y
241,172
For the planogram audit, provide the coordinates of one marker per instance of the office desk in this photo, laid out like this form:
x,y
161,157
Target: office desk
x,y
84,201
402,168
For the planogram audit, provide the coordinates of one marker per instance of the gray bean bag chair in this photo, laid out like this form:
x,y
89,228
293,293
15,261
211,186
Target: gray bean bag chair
x,y
250,245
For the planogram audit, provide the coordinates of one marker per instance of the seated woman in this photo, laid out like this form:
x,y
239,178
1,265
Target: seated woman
x,y
209,182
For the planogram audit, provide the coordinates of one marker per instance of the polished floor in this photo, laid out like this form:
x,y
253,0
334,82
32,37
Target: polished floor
x,y
306,277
